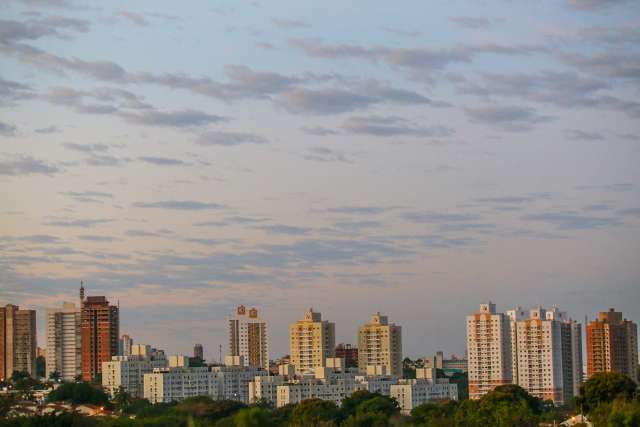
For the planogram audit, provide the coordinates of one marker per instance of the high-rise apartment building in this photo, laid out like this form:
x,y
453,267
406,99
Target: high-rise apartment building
x,y
349,353
63,342
380,344
99,330
612,344
549,355
17,341
124,345
311,341
198,352
489,351
248,338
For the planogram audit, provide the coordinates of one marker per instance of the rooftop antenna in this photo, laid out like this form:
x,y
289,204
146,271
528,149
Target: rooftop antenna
x,y
81,292
220,353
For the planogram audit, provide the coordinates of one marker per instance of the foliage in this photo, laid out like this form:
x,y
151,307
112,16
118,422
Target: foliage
x,y
252,417
122,400
314,413
41,367
79,393
605,387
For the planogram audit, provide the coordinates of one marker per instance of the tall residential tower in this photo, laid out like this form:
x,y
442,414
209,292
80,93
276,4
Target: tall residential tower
x,y
311,341
63,342
248,338
99,330
17,341
380,344
612,344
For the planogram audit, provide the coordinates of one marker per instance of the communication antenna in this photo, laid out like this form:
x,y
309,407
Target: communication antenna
x,y
220,353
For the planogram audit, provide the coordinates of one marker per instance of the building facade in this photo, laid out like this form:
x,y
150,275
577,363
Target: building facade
x,y
99,331
349,353
489,350
17,341
612,345
248,337
124,345
179,381
63,342
311,341
410,393
128,372
547,366
380,344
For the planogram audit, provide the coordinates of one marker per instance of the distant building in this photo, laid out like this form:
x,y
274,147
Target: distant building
x,y
198,352
128,371
349,353
99,329
612,345
549,355
488,350
540,350
380,344
311,341
63,342
179,381
410,393
248,338
17,341
449,366
124,345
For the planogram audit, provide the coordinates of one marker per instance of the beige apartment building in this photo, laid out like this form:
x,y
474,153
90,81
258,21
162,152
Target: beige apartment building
x,y
380,344
248,338
311,341
63,342
612,344
489,350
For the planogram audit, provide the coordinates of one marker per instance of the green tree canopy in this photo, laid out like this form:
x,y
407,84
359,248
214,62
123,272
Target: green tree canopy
x,y
314,413
79,393
605,387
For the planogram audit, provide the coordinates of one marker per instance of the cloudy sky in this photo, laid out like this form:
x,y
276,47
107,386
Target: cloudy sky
x,y
415,158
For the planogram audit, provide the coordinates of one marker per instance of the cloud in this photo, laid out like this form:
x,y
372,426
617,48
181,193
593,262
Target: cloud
x,y
26,165
610,64
323,101
511,118
285,229
571,220
401,32
47,130
133,18
87,196
181,118
390,126
323,154
428,217
185,205
105,160
289,24
11,91
514,200
470,22
580,135
96,238
229,139
77,223
7,129
359,210
33,238
356,226
33,29
594,5
162,161
86,148
422,62
318,131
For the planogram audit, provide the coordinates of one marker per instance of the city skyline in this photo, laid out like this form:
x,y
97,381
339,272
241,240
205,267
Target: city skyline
x,y
187,159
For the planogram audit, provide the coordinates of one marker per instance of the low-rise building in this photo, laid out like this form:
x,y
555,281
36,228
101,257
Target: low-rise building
x,y
128,372
411,393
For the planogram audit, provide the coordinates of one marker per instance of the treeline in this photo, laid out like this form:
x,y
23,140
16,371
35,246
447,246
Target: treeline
x,y
609,400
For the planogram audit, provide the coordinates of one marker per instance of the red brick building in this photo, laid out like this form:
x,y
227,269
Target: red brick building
x,y
99,330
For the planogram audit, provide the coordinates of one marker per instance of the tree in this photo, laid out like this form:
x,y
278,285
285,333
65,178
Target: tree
x,y
314,413
435,414
6,402
122,400
605,387
55,376
252,417
41,367
79,393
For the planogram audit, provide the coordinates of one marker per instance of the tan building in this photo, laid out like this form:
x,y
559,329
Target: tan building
x,y
311,341
380,344
489,350
17,341
612,344
248,338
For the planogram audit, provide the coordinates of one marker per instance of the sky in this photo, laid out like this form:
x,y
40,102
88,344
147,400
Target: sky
x,y
414,158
